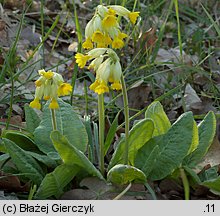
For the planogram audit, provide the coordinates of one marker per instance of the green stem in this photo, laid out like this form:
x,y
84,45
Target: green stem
x,y
32,191
123,192
54,122
11,101
126,114
185,183
101,131
151,191
42,30
178,28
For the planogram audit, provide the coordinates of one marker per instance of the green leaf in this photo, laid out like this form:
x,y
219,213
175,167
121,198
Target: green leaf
x,y
68,124
207,129
43,159
192,174
21,140
32,119
124,174
71,155
195,138
173,147
145,160
209,174
139,135
111,134
213,184
24,162
54,182
161,122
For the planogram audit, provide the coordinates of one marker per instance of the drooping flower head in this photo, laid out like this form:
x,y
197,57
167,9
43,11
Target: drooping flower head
x,y
104,30
50,86
107,67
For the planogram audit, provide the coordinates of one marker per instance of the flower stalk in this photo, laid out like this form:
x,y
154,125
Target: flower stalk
x,y
54,121
126,114
185,184
101,111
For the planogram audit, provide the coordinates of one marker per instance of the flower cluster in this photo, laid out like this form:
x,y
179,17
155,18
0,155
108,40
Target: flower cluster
x,y
50,86
105,63
103,29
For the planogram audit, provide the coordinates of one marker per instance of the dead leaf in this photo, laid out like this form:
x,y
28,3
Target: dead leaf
x,y
96,185
11,183
192,100
212,158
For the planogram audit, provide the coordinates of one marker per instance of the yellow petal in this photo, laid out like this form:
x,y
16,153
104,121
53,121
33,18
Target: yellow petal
x,y
81,59
64,89
117,43
48,75
94,85
38,83
87,44
97,36
111,11
54,104
116,86
122,35
109,21
35,104
46,97
133,16
102,88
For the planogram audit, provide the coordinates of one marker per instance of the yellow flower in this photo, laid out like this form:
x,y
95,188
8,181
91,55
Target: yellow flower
x,y
116,86
87,44
109,21
107,40
111,12
115,76
101,88
46,97
81,59
122,35
47,75
50,85
117,43
102,45
97,36
64,89
94,85
53,104
35,103
38,83
107,71
133,16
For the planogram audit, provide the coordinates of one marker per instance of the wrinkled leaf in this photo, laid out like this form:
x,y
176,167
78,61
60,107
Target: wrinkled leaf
x,y
207,129
25,163
43,159
68,124
21,140
139,135
124,174
161,122
145,161
173,147
54,182
213,184
32,119
195,138
71,155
